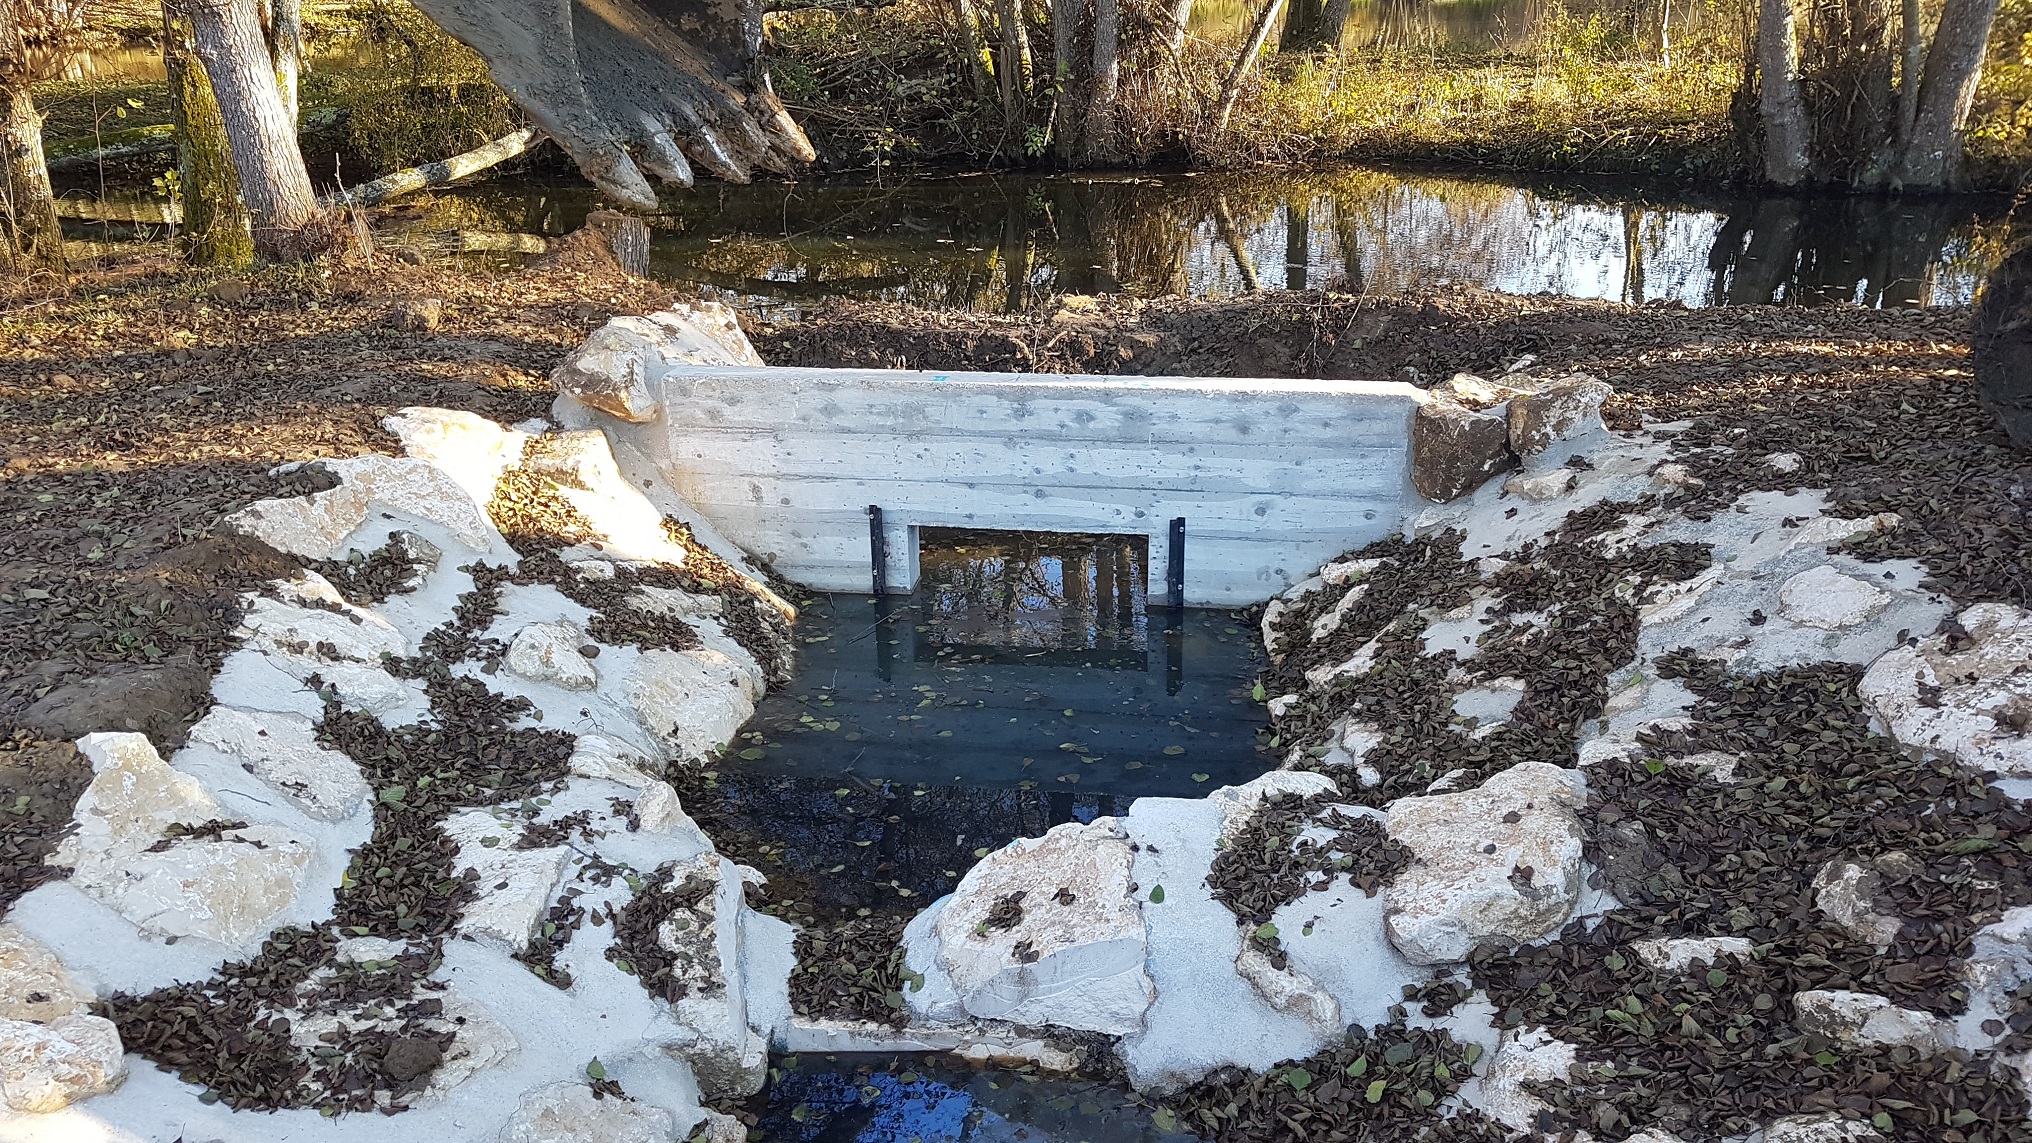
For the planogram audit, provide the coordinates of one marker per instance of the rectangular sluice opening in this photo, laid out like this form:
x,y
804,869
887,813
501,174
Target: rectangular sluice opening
x,y
1045,598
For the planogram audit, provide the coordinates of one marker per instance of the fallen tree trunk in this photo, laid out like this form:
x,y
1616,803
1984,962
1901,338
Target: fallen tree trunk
x,y
439,173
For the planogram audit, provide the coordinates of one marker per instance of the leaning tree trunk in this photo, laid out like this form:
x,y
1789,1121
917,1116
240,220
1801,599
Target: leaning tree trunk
x,y
1175,21
1788,133
216,229
34,237
1231,90
273,182
1954,63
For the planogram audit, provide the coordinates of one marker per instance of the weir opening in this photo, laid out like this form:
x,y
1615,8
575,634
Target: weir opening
x,y
1028,682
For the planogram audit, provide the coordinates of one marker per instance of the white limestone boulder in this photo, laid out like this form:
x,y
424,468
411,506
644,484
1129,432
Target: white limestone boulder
x,y
1559,410
729,1056
282,750
1966,695
693,701
228,889
1525,1057
1827,1128
34,985
1495,865
1680,954
569,1112
473,450
516,886
549,653
1825,598
1046,931
48,1067
1273,615
619,369
610,760
1287,990
317,526
1845,892
1455,448
1862,1019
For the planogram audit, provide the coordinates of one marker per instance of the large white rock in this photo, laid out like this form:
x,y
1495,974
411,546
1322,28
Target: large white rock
x,y
610,760
727,1054
1828,1128
549,653
312,624
1561,409
1075,957
317,526
282,750
1527,1056
1972,701
619,367
692,701
228,890
1494,865
470,448
568,1112
1678,954
34,985
1288,990
1845,892
1863,1019
48,1067
516,886
1825,598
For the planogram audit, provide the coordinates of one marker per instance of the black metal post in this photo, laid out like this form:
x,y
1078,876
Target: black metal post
x,y
1174,571
878,550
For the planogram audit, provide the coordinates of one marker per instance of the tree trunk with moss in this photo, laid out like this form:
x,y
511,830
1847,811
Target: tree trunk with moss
x,y
216,229
36,37
287,221
285,50
34,236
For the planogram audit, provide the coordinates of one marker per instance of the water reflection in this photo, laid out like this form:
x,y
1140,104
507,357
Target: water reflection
x,y
926,1099
1012,241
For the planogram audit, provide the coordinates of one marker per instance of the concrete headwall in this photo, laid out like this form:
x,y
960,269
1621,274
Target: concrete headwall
x,y
1272,476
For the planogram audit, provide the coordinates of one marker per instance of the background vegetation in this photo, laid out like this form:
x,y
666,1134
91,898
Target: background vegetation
x,y
1652,87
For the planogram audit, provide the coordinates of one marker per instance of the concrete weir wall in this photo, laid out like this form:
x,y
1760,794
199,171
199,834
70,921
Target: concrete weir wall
x,y
1272,477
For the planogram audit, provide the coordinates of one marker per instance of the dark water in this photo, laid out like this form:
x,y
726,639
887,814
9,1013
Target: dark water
x,y
924,1099
1025,685
1014,241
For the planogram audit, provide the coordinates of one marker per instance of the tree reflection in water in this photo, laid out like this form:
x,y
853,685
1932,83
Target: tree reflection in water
x,y
1023,687
1011,241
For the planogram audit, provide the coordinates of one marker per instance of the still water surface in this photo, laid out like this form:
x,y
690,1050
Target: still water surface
x,y
1011,241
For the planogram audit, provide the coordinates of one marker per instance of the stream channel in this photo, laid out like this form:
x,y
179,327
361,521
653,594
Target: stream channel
x,y
1028,682
1017,241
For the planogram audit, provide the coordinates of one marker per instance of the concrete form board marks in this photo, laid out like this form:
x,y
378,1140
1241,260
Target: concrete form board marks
x,y
1272,476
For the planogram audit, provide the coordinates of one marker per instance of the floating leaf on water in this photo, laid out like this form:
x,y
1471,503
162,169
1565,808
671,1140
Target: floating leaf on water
x,y
1201,777
1259,693
1174,750
751,754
